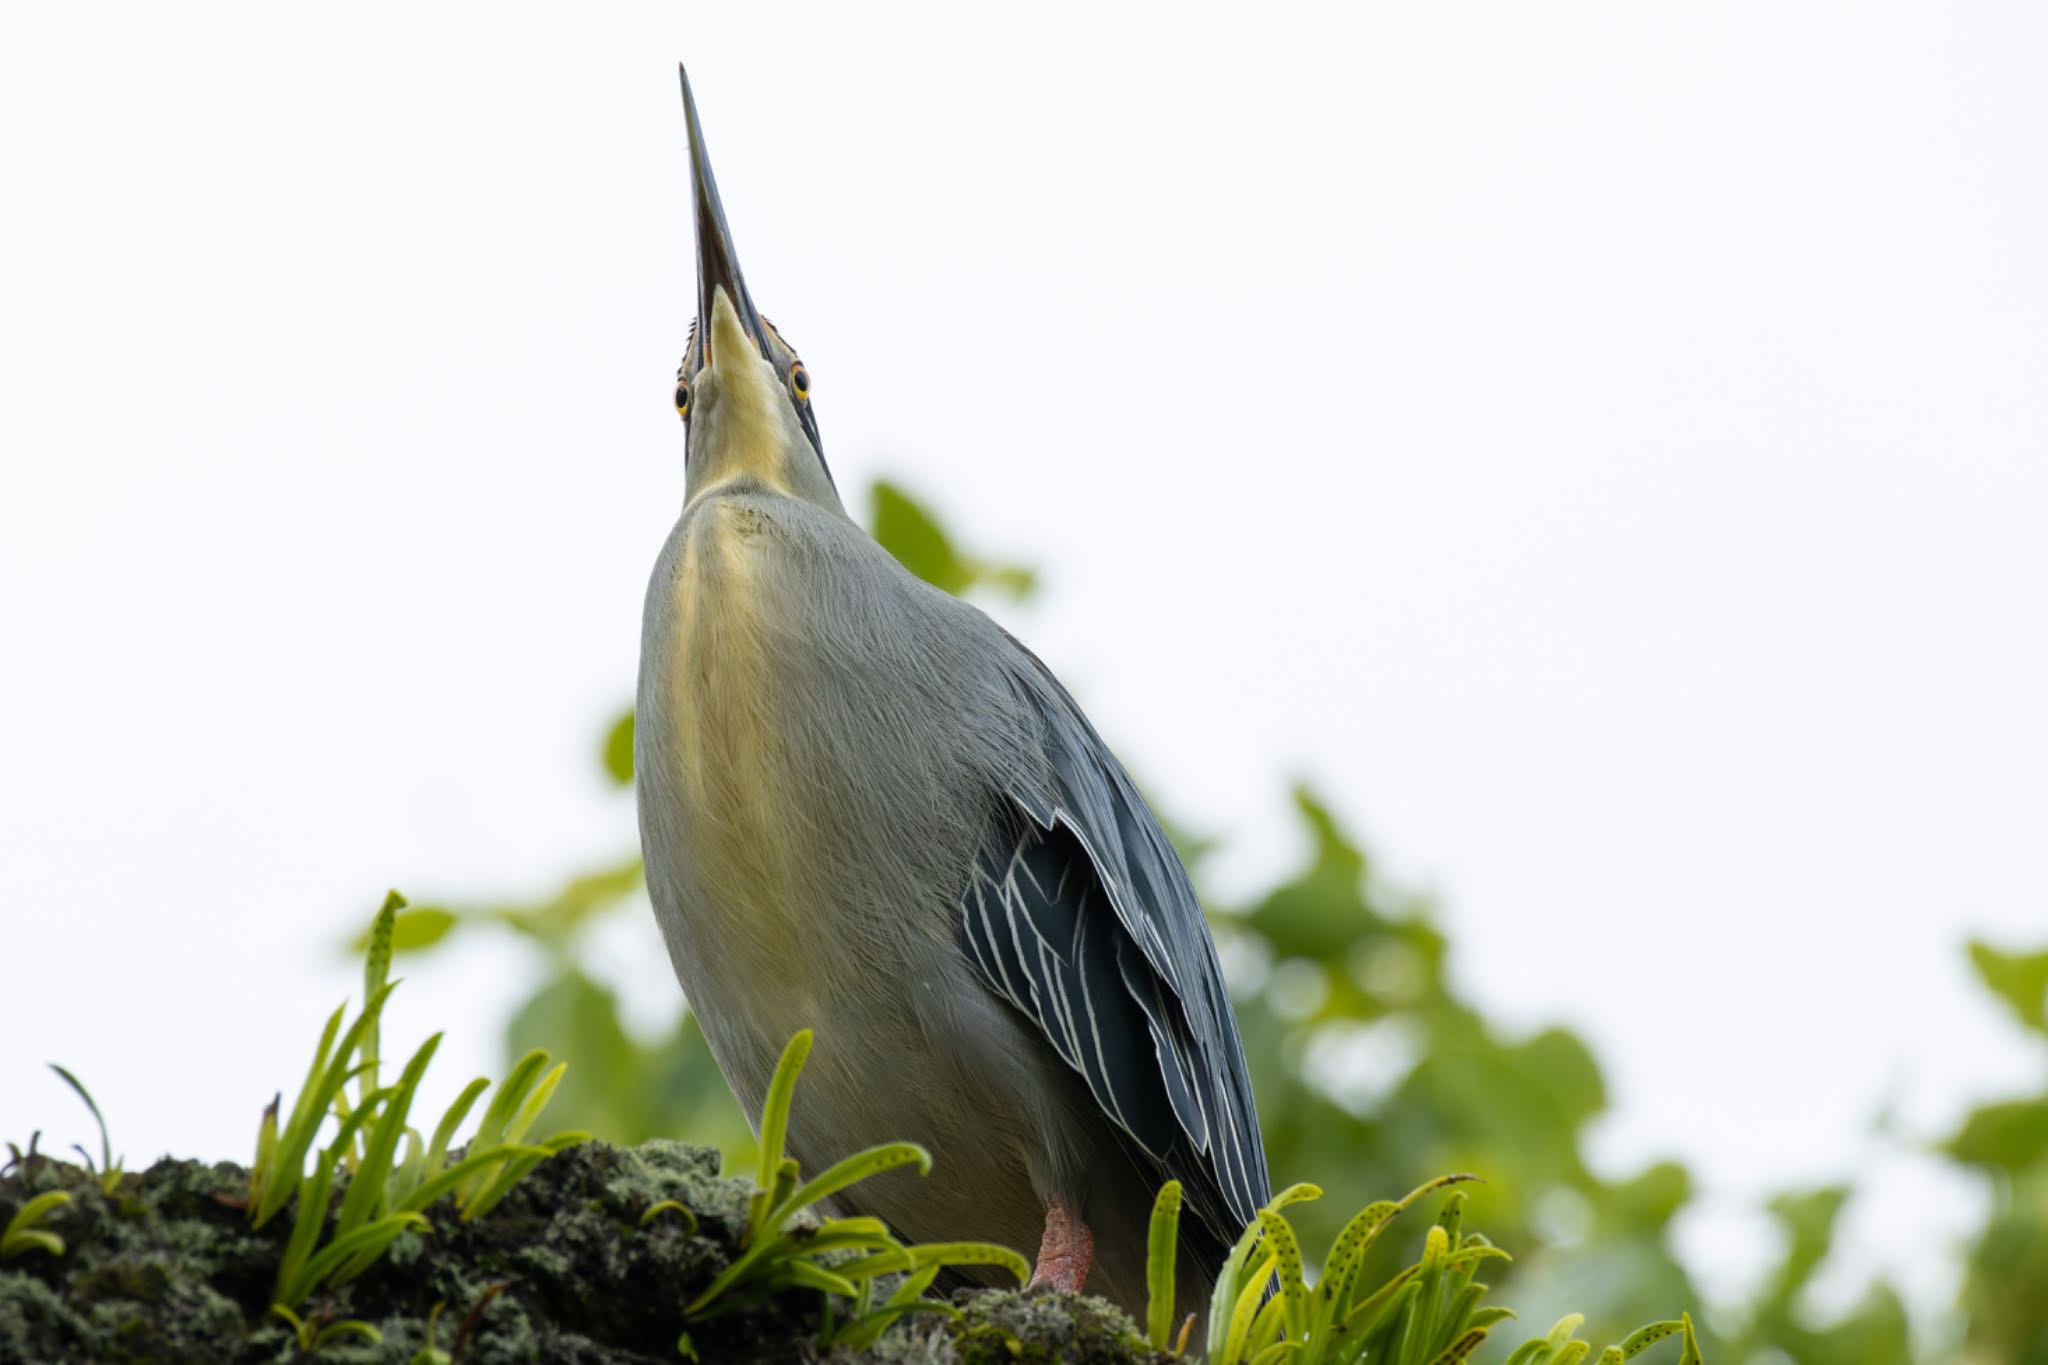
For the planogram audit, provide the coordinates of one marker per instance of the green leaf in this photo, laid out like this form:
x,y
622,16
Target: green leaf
x,y
618,750
421,927
2011,1136
908,530
1809,1221
2019,979
413,928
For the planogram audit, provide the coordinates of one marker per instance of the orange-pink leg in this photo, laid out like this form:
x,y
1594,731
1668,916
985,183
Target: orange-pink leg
x,y
1066,1252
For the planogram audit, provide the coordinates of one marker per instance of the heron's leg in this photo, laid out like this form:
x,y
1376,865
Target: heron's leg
x,y
1067,1251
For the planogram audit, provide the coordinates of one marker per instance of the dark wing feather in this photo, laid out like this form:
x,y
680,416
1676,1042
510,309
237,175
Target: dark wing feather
x,y
1081,915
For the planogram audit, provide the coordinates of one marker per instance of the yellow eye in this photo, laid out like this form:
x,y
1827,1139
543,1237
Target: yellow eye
x,y
682,400
799,381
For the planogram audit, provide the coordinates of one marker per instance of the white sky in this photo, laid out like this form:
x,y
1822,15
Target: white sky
x,y
1603,446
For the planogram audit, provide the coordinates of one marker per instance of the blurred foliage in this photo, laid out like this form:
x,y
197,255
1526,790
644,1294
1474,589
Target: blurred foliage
x,y
1372,1072
2005,1273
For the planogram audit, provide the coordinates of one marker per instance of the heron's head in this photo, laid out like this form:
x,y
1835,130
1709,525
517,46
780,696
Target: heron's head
x,y
743,395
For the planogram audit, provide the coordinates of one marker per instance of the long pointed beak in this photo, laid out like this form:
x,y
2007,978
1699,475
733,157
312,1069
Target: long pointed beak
x,y
718,267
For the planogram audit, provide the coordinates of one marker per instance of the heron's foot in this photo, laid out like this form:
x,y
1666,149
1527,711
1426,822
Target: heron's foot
x,y
1067,1251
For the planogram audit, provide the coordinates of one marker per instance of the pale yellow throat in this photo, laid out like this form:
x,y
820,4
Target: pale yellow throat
x,y
746,414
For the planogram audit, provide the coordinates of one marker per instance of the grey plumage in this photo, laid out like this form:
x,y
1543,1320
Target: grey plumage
x,y
868,811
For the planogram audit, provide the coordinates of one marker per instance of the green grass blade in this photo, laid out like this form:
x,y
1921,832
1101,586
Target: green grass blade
x,y
1269,1326
837,1234
1430,1187
1294,1194
22,1234
406,1176
877,1322
439,1185
849,1233
514,1170
376,974
1347,1254
1380,1312
1286,1251
107,1162
926,1254
307,1115
498,1114
305,1235
1468,1258
301,1333
347,1327
511,1093
852,1170
676,1206
1456,1318
266,1150
1460,1349
1564,1329
368,1194
775,1127
378,1235
1245,1310
810,1275
1643,1338
1691,1354
735,1269
23,1240
444,1132
314,1189
1420,1335
270,1172
1229,1283
1161,1246
529,1112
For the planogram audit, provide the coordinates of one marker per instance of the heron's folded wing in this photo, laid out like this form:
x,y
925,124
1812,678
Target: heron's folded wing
x,y
1081,916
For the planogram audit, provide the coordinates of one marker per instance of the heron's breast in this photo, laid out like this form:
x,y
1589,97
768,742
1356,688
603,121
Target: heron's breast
x,y
727,746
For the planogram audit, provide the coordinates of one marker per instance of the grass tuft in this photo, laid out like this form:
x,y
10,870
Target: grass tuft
x,y
1430,1312
841,1258
393,1175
